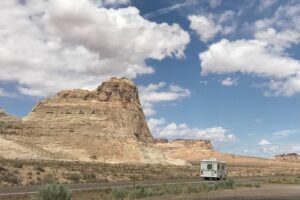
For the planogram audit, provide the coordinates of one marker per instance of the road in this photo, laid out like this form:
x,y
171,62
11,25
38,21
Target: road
x,y
20,190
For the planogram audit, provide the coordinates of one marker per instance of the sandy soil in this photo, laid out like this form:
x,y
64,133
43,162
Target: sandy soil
x,y
266,192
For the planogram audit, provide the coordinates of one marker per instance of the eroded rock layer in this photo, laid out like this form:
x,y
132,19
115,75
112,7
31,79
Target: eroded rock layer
x,y
106,125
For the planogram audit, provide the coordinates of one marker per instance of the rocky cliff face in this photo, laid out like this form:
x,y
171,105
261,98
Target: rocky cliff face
x,y
105,125
185,149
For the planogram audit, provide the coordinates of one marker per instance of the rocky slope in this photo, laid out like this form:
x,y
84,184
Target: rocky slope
x,y
9,124
104,125
288,157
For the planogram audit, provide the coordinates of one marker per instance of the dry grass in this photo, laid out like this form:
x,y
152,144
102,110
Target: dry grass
x,y
21,172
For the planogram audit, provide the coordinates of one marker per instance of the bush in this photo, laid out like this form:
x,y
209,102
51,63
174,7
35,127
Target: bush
x,y
49,178
11,178
3,169
229,184
120,193
18,165
137,192
39,168
89,177
74,177
53,191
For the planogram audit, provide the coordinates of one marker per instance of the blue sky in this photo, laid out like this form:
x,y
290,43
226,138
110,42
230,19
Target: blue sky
x,y
227,71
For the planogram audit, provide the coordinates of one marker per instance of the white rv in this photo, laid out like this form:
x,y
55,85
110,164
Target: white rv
x,y
213,169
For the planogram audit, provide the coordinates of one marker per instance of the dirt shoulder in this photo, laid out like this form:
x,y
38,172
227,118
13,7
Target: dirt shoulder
x,y
266,192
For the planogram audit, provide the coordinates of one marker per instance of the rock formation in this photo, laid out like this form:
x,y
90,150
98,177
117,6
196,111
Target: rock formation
x,y
288,157
189,150
104,125
9,124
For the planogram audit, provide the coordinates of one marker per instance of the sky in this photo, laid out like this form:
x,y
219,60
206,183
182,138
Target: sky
x,y
227,71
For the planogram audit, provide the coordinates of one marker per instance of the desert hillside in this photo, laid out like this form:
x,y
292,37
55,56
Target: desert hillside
x,y
195,150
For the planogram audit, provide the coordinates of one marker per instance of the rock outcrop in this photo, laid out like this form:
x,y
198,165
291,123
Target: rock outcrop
x,y
288,157
104,125
9,124
185,149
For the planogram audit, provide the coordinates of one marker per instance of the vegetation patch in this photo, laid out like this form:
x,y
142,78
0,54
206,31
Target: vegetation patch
x,y
285,180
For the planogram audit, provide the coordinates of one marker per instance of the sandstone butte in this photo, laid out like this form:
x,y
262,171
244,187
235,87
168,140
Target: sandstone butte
x,y
104,125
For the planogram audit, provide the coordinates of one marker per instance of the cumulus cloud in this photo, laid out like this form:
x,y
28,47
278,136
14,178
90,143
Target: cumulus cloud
x,y
253,57
161,129
279,40
229,81
208,26
265,55
204,27
51,45
264,142
158,93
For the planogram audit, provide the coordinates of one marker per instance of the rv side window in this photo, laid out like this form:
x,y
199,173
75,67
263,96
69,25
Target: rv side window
x,y
209,166
223,167
218,166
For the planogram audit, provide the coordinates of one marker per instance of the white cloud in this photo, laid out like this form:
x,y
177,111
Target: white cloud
x,y
207,27
229,81
265,55
286,17
270,150
161,129
161,92
226,16
295,149
110,3
285,133
4,93
116,2
51,45
214,3
264,142
204,27
174,6
265,4
279,40
253,57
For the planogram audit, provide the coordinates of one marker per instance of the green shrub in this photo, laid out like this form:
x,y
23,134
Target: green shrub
x,y
119,193
229,184
137,192
53,191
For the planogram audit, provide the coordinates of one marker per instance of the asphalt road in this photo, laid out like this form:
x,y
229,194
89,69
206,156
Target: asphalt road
x,y
19,190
